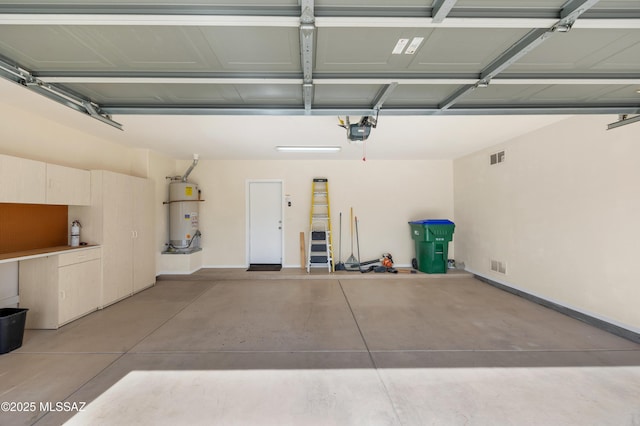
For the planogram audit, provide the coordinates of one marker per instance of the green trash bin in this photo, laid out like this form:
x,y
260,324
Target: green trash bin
x,y
432,237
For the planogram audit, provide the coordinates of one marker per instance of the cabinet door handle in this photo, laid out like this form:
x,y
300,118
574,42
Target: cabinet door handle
x,y
62,295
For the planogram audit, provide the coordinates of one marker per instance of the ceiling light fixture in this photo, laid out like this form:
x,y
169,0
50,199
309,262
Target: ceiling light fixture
x,y
324,149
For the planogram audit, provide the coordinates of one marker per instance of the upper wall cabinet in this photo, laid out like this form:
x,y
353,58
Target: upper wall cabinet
x,y
22,180
66,185
35,182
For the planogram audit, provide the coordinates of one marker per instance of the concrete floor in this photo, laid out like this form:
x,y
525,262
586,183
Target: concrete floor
x,y
232,347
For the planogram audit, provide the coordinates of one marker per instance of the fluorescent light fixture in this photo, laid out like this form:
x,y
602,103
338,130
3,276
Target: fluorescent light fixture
x,y
308,148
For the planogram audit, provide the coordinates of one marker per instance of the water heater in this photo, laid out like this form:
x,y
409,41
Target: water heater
x,y
183,215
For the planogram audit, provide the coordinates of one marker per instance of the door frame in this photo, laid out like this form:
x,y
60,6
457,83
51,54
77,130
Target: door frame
x,y
248,216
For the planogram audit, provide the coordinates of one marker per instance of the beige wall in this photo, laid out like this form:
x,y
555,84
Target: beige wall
x,y
29,135
161,166
385,195
380,192
562,212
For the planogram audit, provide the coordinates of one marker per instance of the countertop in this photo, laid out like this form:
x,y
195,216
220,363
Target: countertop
x,y
41,252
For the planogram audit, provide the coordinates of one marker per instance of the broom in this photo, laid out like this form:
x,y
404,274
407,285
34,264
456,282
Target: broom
x,y
340,266
352,262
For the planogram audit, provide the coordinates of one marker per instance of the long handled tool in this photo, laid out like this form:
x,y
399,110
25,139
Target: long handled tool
x,y
340,266
352,262
358,244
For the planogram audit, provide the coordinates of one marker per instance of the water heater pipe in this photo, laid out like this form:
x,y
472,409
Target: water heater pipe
x,y
190,169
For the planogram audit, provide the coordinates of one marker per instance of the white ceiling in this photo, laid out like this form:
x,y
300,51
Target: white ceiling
x,y
255,137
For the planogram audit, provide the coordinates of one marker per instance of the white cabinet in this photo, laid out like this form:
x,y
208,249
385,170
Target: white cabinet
x,y
22,180
34,182
116,204
68,186
60,288
122,221
144,265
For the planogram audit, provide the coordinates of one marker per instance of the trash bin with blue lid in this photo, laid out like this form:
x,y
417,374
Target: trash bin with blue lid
x,y
432,237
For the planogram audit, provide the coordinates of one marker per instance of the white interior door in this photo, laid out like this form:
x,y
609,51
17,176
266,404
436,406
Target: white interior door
x,y
265,222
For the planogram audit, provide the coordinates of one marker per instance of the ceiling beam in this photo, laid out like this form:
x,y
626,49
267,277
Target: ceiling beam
x,y
478,110
145,8
574,9
17,7
456,96
509,57
181,20
441,9
64,97
307,33
426,79
137,79
384,95
154,20
307,96
525,45
623,121
516,52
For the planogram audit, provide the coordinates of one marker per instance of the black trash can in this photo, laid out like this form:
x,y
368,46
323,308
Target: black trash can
x,y
12,322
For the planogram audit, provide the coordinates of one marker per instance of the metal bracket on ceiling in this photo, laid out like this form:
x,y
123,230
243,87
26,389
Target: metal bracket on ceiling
x,y
307,94
562,28
623,120
384,95
573,10
307,32
94,111
441,9
23,77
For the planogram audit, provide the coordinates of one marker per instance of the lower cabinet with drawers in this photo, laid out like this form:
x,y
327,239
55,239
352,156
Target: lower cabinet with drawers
x,y
60,288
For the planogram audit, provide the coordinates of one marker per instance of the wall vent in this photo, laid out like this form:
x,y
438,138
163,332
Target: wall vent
x,y
499,266
497,158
